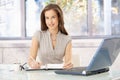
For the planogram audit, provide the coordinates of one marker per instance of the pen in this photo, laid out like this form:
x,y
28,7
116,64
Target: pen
x,y
34,60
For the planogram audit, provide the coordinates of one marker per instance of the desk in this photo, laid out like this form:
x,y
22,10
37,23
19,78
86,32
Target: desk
x,y
8,72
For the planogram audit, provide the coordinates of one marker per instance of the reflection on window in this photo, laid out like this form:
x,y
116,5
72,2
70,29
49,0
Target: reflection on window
x,y
115,17
10,19
75,15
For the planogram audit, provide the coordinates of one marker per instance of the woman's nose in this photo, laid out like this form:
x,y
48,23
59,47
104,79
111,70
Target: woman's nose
x,y
50,20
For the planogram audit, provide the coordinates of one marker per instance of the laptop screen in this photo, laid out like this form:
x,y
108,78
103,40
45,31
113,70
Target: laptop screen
x,y
105,54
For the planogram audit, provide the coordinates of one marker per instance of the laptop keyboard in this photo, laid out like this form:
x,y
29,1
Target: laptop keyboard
x,y
76,69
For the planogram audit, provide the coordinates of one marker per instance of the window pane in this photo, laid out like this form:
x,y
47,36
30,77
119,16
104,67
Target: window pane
x,y
115,14
97,17
10,18
75,15
33,9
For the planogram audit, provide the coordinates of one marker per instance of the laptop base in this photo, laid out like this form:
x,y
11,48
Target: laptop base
x,y
87,73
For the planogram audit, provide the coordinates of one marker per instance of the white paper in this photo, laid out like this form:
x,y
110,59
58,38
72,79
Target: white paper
x,y
52,66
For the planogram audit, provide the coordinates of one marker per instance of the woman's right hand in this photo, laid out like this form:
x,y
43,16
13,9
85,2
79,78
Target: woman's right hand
x,y
34,64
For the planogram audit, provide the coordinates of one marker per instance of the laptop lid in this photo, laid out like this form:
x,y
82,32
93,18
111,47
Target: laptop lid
x,y
105,54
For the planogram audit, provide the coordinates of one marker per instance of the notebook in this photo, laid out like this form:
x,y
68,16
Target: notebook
x,y
44,67
104,57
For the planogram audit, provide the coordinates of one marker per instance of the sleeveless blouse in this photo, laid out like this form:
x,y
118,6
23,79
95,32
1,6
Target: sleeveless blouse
x,y
46,52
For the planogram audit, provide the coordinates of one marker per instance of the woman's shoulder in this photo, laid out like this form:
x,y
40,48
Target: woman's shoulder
x,y
39,32
68,37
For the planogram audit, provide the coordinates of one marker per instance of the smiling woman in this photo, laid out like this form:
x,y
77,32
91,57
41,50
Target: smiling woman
x,y
52,43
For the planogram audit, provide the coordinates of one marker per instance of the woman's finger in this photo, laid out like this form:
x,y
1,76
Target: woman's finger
x,y
35,65
68,66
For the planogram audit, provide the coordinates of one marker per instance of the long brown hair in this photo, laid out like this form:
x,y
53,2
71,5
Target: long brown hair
x,y
59,12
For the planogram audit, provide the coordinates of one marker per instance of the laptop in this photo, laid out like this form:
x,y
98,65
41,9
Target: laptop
x,y
104,57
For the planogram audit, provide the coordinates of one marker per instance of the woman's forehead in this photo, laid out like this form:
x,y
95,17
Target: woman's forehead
x,y
50,12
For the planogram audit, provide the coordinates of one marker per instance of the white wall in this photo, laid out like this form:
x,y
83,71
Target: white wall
x,y
83,51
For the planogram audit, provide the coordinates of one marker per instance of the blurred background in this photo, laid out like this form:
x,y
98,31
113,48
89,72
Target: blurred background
x,y
87,22
83,18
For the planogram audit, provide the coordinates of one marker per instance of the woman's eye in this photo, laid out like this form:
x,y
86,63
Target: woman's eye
x,y
46,18
53,17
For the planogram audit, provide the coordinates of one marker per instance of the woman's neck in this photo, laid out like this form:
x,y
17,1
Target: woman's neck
x,y
53,32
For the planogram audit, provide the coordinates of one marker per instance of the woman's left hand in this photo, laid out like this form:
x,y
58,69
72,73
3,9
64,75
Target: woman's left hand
x,y
68,65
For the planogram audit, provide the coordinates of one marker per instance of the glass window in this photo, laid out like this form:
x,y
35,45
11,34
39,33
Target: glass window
x,y
10,18
75,16
106,17
97,17
33,9
87,18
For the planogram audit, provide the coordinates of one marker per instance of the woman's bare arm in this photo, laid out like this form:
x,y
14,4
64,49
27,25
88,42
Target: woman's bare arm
x,y
33,54
68,56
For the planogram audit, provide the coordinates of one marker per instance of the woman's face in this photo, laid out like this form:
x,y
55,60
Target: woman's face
x,y
51,19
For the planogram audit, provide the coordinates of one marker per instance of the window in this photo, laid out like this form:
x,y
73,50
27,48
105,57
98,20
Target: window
x,y
10,18
97,18
106,17
115,17
83,18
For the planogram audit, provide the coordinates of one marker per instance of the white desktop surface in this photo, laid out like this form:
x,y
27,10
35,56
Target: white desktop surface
x,y
10,72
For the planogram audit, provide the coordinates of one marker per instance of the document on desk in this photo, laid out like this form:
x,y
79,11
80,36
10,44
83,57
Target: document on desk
x,y
47,67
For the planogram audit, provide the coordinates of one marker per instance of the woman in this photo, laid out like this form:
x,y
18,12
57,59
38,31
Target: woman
x,y
52,43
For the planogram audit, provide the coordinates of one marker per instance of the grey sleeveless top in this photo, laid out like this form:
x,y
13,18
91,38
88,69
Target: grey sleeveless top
x,y
46,52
